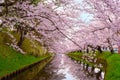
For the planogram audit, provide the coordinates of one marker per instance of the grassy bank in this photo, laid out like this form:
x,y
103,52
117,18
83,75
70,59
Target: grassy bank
x,y
113,68
77,56
10,60
113,63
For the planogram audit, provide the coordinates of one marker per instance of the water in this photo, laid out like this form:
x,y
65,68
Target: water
x,y
63,68
30,73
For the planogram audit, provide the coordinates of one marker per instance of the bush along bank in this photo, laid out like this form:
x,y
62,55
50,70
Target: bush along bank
x,y
106,62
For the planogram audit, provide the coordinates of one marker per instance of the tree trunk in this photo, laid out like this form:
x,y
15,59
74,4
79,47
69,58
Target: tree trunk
x,y
87,50
22,37
111,50
6,7
99,49
110,46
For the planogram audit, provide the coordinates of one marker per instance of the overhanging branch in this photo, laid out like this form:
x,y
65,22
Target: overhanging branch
x,y
53,23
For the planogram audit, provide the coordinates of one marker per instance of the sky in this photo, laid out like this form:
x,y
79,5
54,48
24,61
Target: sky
x,y
86,17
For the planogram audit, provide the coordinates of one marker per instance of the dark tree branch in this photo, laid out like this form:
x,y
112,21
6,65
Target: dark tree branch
x,y
62,32
101,29
53,23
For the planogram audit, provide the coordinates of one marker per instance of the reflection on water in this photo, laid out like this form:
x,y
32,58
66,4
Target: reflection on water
x,y
63,68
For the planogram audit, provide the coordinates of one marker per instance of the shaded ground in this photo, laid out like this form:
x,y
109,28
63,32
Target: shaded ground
x,y
63,68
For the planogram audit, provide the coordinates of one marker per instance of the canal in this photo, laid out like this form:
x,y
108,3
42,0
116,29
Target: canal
x,y
63,68
60,68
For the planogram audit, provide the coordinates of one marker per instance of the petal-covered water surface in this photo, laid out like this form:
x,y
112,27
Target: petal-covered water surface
x,y
63,68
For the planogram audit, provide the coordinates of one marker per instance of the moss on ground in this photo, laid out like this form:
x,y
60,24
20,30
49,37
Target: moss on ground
x,y
5,38
32,47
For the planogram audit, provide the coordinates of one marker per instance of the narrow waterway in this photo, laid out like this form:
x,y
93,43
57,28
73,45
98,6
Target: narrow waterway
x,y
63,68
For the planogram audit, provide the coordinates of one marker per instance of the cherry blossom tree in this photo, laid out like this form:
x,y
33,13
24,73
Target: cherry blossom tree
x,y
106,18
58,23
43,21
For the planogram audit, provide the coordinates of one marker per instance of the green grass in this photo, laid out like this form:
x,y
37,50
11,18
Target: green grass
x,y
103,55
113,63
10,60
77,56
113,68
